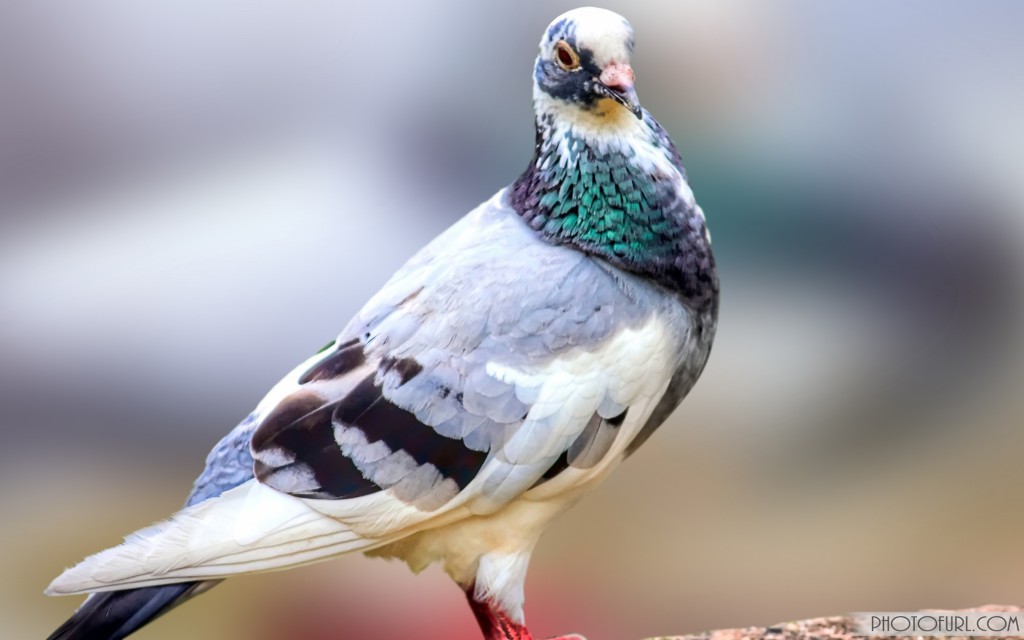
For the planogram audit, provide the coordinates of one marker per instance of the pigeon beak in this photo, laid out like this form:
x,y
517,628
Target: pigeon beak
x,y
617,78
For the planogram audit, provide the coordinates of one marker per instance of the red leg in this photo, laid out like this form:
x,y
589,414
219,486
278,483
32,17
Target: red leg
x,y
496,624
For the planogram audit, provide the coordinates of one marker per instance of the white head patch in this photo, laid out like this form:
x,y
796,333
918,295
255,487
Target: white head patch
x,y
606,34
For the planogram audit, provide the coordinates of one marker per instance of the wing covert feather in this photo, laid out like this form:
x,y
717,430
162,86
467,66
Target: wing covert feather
x,y
465,381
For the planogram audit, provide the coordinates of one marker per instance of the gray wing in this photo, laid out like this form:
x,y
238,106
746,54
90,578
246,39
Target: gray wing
x,y
488,363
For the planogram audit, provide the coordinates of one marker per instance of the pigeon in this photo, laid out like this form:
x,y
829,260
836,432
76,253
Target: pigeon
x,y
501,374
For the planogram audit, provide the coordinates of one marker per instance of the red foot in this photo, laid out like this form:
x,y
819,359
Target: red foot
x,y
496,624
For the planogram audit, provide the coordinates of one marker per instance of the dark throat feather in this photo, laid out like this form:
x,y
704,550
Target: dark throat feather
x,y
601,199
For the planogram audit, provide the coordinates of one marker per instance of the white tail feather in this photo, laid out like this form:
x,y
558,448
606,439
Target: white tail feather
x,y
247,529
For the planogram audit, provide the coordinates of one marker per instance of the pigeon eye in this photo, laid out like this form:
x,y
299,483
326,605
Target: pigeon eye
x,y
566,57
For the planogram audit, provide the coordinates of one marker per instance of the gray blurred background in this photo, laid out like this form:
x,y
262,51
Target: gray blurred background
x,y
197,195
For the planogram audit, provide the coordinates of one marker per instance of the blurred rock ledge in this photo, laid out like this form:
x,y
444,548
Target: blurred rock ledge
x,y
830,628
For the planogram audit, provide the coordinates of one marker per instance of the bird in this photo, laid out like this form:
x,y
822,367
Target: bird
x,y
499,376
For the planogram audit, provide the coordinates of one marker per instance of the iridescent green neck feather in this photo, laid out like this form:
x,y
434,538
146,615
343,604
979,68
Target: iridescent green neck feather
x,y
623,199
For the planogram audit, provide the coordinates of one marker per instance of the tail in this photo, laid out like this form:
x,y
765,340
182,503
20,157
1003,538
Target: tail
x,y
116,614
247,529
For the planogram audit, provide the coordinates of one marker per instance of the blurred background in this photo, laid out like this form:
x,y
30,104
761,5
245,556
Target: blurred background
x,y
195,196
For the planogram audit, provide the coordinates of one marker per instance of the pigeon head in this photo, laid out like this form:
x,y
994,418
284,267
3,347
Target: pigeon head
x,y
605,177
583,65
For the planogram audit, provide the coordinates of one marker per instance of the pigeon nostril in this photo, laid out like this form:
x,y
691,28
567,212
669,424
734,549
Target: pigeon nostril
x,y
617,77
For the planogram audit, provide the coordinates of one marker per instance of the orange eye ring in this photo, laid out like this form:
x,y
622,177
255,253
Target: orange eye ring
x,y
566,57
